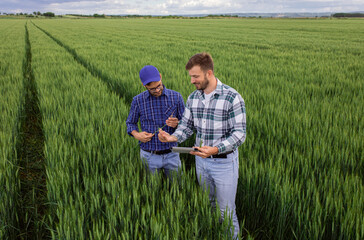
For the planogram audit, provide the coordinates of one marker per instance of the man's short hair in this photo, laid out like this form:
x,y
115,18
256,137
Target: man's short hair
x,y
204,60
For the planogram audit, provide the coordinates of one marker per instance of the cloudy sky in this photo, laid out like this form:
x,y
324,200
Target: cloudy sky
x,y
175,7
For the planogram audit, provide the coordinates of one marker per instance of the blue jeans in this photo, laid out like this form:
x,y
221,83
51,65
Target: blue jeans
x,y
169,162
220,175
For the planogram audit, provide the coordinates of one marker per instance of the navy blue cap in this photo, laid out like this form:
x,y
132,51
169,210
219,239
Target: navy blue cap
x,y
149,74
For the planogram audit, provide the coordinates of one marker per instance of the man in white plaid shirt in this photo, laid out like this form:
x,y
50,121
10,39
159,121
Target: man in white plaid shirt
x,y
216,112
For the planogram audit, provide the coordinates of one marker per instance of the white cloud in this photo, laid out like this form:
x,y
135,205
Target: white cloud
x,y
90,7
175,7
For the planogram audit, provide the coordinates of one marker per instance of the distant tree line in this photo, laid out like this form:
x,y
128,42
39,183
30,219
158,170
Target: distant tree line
x,y
46,14
222,15
94,15
99,15
338,15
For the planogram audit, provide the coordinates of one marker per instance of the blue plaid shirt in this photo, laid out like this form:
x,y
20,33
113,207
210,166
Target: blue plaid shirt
x,y
153,113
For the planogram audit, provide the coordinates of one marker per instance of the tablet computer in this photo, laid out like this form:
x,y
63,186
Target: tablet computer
x,y
183,149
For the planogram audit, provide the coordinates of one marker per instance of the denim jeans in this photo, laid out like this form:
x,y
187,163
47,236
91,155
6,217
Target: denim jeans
x,y
169,162
220,175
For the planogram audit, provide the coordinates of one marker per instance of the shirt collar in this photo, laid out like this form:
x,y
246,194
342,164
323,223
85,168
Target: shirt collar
x,y
218,90
219,87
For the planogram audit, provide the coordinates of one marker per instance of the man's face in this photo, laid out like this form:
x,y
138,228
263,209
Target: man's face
x,y
198,77
155,88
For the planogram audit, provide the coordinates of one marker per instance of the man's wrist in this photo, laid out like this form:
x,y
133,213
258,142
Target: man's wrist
x,y
216,151
134,133
177,136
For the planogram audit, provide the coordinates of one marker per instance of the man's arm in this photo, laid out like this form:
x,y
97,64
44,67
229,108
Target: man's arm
x,y
142,136
132,124
166,137
237,119
133,118
173,121
184,129
186,125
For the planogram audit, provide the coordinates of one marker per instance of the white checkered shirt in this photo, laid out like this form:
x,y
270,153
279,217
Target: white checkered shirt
x,y
219,122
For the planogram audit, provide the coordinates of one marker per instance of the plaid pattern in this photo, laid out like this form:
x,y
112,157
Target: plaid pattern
x,y
219,123
153,113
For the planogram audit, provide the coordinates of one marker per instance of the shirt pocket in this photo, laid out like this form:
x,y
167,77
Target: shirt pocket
x,y
171,110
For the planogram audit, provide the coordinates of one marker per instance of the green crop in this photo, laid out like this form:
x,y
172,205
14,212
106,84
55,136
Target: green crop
x,y
95,179
12,54
300,169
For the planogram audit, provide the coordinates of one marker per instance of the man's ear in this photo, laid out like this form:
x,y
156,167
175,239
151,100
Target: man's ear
x,y
160,75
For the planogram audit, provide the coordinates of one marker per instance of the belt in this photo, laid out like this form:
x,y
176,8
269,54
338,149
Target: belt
x,y
224,155
159,152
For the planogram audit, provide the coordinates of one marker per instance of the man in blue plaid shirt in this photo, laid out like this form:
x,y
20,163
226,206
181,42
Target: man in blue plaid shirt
x,y
216,112
157,107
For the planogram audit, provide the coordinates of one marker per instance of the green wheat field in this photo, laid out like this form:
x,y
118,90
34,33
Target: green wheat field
x,y
301,168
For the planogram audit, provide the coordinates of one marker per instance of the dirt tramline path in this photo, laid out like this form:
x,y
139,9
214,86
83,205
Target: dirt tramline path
x,y
33,191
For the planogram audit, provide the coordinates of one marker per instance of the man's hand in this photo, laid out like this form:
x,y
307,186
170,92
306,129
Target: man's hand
x,y
142,136
172,122
166,137
205,151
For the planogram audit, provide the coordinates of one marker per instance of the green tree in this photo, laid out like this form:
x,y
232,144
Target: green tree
x,y
48,14
99,16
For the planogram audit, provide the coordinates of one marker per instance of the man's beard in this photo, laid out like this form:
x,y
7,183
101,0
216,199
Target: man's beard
x,y
203,85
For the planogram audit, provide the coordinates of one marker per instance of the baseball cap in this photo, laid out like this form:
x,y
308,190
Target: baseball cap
x,y
149,74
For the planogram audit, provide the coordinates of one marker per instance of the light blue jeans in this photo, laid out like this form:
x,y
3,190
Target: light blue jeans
x,y
220,175
169,162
